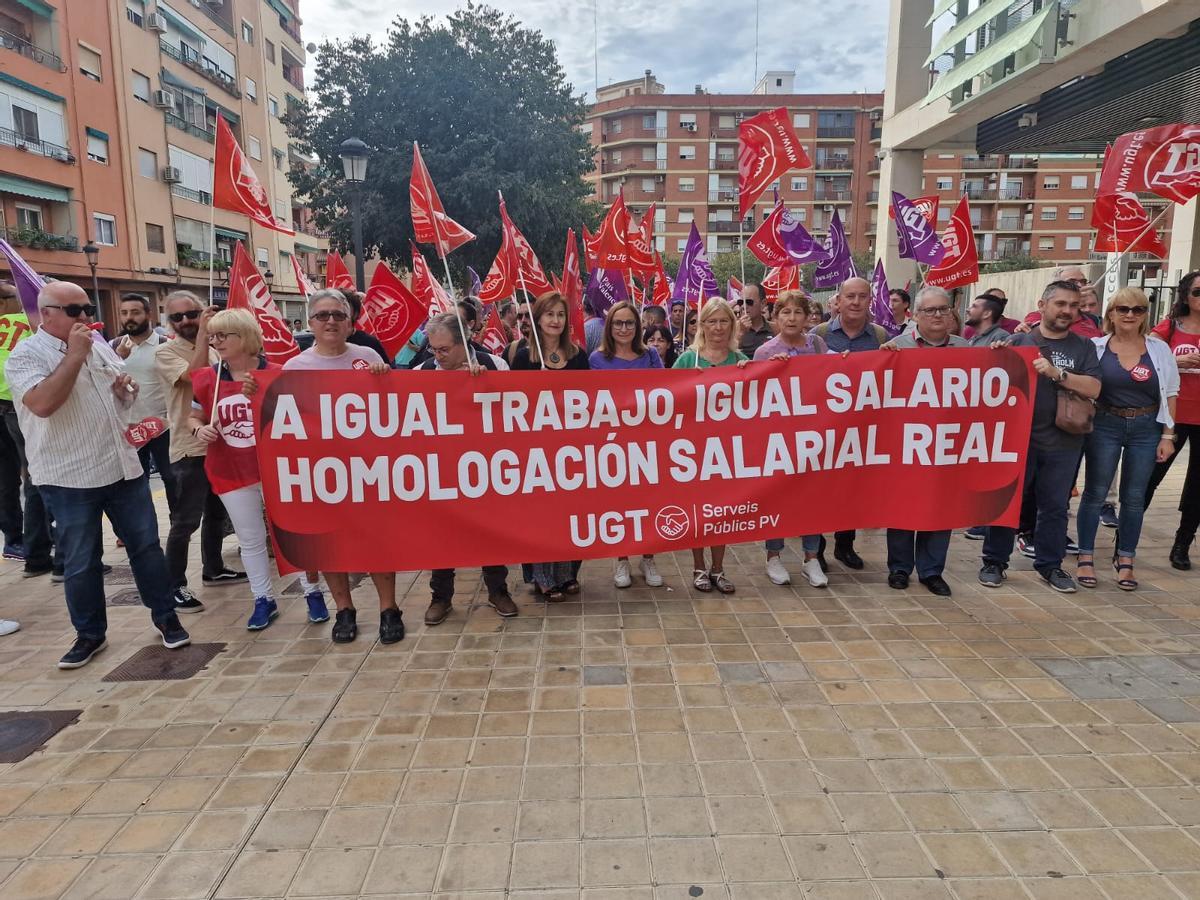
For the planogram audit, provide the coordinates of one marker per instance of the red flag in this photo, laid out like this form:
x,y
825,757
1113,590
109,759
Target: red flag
x,y
590,248
612,240
430,222
1122,224
767,147
516,265
641,244
927,206
766,244
571,287
390,311
426,288
302,281
960,265
247,290
780,279
336,273
235,186
662,284
494,337
1164,160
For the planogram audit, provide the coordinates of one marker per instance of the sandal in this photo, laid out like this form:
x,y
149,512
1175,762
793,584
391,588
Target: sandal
x,y
553,595
1086,580
1125,584
701,581
571,587
722,584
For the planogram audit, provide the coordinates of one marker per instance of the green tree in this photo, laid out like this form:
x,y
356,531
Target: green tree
x,y
726,265
491,108
1014,264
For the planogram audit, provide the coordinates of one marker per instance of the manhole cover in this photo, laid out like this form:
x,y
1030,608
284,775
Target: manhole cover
x,y
23,732
119,575
127,597
161,664
294,589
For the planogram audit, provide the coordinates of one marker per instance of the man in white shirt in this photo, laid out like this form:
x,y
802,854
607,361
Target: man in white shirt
x,y
72,398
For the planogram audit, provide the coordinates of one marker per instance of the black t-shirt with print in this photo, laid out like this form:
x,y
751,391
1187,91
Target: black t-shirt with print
x,y
1071,353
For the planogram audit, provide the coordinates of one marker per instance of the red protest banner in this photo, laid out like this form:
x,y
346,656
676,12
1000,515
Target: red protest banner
x,y
425,470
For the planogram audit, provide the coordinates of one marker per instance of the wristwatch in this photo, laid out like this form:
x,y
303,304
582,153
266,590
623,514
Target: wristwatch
x,y
1062,376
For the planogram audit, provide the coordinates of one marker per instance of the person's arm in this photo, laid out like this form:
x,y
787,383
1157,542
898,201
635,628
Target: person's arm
x,y
1166,443
200,355
198,422
45,398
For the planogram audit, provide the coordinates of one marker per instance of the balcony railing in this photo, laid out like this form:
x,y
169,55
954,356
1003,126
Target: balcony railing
x,y
36,239
1022,162
725,164
188,193
728,195
728,228
1009,223
290,29
873,197
18,44
610,168
981,162
1012,192
10,138
220,79
833,196
191,129
199,259
631,134
309,229
876,132
210,10
838,131
979,193
294,76
833,162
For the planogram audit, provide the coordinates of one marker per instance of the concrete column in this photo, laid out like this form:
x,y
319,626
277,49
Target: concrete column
x,y
1185,241
900,171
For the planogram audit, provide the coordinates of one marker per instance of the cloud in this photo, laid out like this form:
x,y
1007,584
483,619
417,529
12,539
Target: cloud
x,y
834,47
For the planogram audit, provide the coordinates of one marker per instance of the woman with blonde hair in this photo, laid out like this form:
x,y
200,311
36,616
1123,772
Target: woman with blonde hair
x,y
715,345
221,418
1134,427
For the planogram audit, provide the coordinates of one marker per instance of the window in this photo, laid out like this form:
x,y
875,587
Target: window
x,y
104,229
945,156
647,185
615,127
273,106
135,12
1050,183
141,86
648,122
154,238
687,121
1046,243
586,128
25,123
800,215
247,32
1079,183
1049,213
29,216
195,174
687,216
34,118
616,157
687,151
945,183
976,216
687,184
254,146
263,257
269,50
97,147
1073,242
1075,213
89,62
726,121
801,120
251,90
147,163
799,183
681,245
277,156
943,214
647,154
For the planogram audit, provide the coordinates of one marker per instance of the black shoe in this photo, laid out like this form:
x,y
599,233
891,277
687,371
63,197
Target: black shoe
x,y
1059,580
936,584
847,557
1108,515
34,571
1179,556
345,626
992,575
186,601
821,555
503,605
897,580
81,654
391,625
225,576
173,634
978,533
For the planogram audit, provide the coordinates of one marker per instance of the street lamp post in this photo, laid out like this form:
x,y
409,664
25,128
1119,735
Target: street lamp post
x,y
354,154
92,252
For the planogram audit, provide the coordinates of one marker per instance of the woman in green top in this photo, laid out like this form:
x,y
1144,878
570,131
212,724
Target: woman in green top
x,y
715,345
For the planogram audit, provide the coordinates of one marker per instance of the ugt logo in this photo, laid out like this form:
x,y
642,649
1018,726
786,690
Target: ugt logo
x,y
672,523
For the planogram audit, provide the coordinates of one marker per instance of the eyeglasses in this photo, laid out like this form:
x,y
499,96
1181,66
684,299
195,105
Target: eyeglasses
x,y
1077,281
440,351
623,324
219,337
73,310
1131,310
326,314
934,310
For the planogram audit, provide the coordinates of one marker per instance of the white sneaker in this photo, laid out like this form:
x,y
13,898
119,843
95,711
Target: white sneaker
x,y
650,571
621,576
776,571
8,626
812,571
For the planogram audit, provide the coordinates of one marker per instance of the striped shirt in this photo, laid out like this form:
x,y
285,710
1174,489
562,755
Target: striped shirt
x,y
82,443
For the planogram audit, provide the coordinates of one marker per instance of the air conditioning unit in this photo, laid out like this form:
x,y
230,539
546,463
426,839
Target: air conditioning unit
x,y
171,175
689,126
828,207
876,115
164,100
156,22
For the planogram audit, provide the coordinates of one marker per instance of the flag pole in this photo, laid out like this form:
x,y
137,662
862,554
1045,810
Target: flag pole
x,y
450,289
212,239
1122,253
532,323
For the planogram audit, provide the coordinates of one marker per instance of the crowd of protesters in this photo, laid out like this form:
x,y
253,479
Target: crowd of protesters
x,y
72,404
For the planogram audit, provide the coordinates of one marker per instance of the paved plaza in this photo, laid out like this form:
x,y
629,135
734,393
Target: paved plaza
x,y
784,742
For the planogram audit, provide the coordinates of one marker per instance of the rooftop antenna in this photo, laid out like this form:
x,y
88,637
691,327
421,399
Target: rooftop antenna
x,y
596,45
757,3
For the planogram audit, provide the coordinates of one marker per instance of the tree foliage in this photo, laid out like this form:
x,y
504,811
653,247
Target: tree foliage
x,y
491,108
1014,264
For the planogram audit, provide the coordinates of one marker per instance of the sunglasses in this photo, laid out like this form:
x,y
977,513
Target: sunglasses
x,y
326,314
191,315
73,310
1131,310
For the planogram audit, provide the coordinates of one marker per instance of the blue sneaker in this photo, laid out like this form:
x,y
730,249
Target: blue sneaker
x,y
317,612
265,609
14,551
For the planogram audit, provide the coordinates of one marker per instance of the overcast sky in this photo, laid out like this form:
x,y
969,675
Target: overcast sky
x,y
833,45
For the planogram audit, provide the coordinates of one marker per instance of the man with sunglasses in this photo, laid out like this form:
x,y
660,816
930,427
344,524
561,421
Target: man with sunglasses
x,y
73,396
196,506
756,330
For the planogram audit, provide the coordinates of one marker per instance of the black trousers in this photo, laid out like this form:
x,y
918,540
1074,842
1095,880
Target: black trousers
x,y
12,517
1189,499
441,582
36,534
196,506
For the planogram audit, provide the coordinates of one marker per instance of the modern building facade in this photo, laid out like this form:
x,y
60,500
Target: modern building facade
x,y
107,126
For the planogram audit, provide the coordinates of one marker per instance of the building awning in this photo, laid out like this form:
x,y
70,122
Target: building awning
x,y
37,7
968,25
181,23
993,54
32,88
280,7
302,247
176,81
939,9
231,234
96,133
12,184
227,114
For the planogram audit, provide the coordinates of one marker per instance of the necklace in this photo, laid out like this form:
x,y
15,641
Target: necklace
x,y
554,357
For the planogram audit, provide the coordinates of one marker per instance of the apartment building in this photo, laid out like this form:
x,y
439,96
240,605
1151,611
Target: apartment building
x,y
107,128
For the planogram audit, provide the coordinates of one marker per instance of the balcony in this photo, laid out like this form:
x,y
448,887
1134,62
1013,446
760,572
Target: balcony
x,y
1013,192
294,75
873,197
309,229
191,129
833,196
1009,223
979,193
220,79
291,30
212,11
723,134
876,132
10,138
727,195
838,131
26,48
188,193
645,165
725,164
632,134
981,162
1022,162
833,162
728,228
36,239
199,259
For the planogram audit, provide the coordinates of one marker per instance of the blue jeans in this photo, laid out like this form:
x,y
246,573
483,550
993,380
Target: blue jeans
x,y
1052,474
77,516
923,550
1134,444
810,542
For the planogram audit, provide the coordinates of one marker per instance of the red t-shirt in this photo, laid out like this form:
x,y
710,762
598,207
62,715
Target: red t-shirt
x,y
1187,404
231,461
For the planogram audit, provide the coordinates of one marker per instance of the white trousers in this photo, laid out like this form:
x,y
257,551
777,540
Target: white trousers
x,y
247,513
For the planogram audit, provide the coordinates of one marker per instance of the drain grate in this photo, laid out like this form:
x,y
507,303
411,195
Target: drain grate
x,y
127,597
161,664
120,575
23,732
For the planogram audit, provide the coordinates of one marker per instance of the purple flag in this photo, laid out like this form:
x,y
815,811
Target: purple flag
x,y
918,239
881,306
476,285
838,265
604,288
695,277
27,282
801,246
